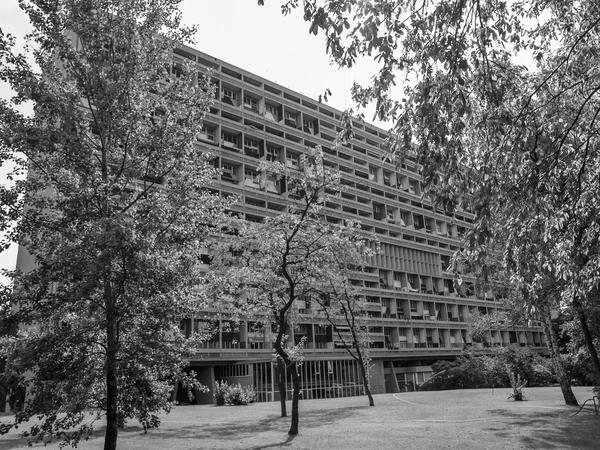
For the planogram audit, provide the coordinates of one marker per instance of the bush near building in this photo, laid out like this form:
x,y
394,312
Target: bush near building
x,y
235,394
490,371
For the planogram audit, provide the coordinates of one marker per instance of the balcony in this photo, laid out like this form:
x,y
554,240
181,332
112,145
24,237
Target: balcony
x,y
251,183
252,152
272,187
230,145
205,137
226,176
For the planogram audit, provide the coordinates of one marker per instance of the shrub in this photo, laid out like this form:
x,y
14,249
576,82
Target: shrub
x,y
238,395
234,394
538,370
443,365
517,384
220,392
472,371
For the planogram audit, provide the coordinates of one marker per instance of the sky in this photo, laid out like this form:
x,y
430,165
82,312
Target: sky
x,y
258,39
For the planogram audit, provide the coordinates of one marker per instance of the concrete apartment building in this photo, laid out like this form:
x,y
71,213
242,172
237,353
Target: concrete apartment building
x,y
417,315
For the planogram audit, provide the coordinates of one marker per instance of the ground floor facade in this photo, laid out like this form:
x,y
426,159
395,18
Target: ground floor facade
x,y
327,377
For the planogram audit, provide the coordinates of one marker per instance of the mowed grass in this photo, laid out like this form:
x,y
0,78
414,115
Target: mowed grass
x,y
462,419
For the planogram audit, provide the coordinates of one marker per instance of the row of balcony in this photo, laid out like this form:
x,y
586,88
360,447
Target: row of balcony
x,y
247,336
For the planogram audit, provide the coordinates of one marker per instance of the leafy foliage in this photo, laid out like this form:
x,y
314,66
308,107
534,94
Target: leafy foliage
x,y
517,145
490,371
113,215
264,269
517,384
579,363
234,394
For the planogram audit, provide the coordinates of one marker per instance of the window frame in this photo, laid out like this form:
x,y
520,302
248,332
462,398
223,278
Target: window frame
x,y
230,93
250,103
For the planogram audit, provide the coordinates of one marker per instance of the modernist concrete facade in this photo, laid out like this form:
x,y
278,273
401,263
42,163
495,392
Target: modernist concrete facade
x,y
417,315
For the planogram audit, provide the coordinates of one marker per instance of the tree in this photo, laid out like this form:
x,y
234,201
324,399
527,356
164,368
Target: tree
x,y
517,312
113,213
516,145
263,269
344,310
520,308
574,345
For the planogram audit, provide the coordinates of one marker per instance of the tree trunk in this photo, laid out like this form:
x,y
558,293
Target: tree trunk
x,y
295,398
563,378
281,384
589,341
112,416
365,379
112,412
366,383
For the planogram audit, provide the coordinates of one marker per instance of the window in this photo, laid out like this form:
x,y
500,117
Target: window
x,y
250,180
229,93
236,370
321,329
290,119
272,112
386,178
250,174
273,185
292,159
207,133
251,148
272,153
378,212
183,326
229,139
390,215
419,222
229,168
373,174
250,103
428,226
308,126
229,173
229,96
302,329
403,218
412,187
250,143
177,70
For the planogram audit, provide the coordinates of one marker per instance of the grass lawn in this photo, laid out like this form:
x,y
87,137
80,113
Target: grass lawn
x,y
463,419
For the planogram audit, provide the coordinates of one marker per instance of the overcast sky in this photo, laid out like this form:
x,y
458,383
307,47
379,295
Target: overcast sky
x,y
257,39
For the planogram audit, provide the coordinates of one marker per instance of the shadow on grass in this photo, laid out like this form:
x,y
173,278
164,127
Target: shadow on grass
x,y
248,428
11,442
549,429
15,440
285,443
